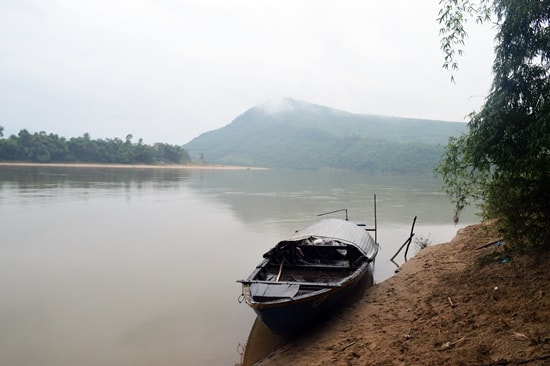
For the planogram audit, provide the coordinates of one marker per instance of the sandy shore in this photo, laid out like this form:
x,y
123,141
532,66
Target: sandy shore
x,y
135,166
443,308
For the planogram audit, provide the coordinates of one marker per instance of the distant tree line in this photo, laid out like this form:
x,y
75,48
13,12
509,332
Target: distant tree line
x,y
44,148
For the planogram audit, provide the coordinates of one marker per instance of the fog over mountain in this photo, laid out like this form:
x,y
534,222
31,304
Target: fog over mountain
x,y
287,133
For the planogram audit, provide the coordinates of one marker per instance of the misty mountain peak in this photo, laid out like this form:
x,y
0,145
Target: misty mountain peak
x,y
276,106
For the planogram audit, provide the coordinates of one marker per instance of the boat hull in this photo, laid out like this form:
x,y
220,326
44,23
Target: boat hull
x,y
292,316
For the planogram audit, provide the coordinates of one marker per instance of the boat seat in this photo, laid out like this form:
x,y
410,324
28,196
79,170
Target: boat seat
x,y
316,266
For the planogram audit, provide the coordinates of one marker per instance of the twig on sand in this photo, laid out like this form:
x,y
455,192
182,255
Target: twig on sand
x,y
451,302
348,345
449,345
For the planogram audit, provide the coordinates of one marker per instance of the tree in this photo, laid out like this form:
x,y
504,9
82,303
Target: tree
x,y
503,161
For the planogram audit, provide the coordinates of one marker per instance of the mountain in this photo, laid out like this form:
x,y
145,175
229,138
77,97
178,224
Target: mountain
x,y
288,133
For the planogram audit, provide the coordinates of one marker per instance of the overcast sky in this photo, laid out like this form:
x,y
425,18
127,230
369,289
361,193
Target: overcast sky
x,y
168,70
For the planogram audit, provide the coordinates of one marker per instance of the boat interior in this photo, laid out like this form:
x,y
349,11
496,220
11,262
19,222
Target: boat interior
x,y
298,268
310,260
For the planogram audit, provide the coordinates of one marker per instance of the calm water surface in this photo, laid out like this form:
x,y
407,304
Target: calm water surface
x,y
138,267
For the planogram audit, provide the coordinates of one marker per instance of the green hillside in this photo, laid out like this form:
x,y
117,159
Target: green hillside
x,y
293,134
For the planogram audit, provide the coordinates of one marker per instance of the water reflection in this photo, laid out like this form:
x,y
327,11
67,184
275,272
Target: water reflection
x,y
49,177
273,194
43,183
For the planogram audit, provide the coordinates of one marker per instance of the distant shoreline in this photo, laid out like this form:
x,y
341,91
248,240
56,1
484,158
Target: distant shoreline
x,y
133,166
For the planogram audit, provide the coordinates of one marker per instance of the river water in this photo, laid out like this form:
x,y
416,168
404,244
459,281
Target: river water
x,y
103,266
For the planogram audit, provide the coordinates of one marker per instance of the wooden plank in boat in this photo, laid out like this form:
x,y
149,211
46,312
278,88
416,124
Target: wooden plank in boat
x,y
314,284
275,289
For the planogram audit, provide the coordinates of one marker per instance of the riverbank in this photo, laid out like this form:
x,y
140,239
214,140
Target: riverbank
x,y
457,303
135,166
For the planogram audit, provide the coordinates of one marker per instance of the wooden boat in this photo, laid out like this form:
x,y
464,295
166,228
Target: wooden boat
x,y
304,276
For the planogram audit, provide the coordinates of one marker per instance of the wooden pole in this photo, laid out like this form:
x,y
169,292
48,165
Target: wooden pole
x,y
280,272
375,223
407,242
410,238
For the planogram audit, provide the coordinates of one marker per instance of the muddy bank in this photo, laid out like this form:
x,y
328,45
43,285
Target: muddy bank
x,y
453,304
